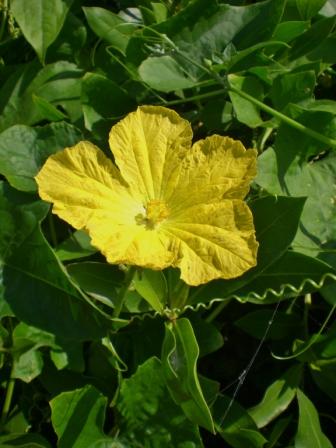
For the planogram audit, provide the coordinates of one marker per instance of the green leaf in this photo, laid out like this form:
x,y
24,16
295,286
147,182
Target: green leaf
x,y
246,112
313,37
99,113
276,220
23,441
292,88
76,246
28,365
36,286
277,397
23,150
235,425
152,286
255,323
164,74
78,417
48,110
208,337
70,41
324,375
203,30
287,31
179,358
309,431
58,83
40,22
110,27
148,413
316,181
98,279
308,8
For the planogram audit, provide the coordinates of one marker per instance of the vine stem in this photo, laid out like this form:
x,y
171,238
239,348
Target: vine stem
x,y
8,398
123,290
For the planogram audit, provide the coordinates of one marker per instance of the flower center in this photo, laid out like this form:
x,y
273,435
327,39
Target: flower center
x,y
156,212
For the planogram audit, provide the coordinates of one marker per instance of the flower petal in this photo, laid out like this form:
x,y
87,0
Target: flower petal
x,y
148,146
216,168
131,244
81,182
215,241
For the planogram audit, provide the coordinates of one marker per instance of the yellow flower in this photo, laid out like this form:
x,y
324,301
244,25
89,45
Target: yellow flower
x,y
165,202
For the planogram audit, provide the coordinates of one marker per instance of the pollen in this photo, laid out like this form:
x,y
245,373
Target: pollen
x,y
156,212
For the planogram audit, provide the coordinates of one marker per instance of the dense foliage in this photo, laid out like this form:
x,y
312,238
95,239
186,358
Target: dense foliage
x,y
242,363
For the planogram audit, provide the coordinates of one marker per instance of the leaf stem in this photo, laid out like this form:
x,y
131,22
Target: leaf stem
x,y
123,290
201,96
8,397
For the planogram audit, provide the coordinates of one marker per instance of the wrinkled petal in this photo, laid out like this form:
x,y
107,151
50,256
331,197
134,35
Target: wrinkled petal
x,y
214,241
81,182
131,244
148,146
216,168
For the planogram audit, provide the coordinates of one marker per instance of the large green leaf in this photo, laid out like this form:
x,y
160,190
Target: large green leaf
x,y
40,21
98,112
309,431
23,150
35,284
78,417
179,359
277,397
201,31
315,180
148,413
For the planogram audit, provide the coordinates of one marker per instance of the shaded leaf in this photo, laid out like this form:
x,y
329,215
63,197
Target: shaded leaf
x,y
78,417
36,286
150,416
23,150
236,426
